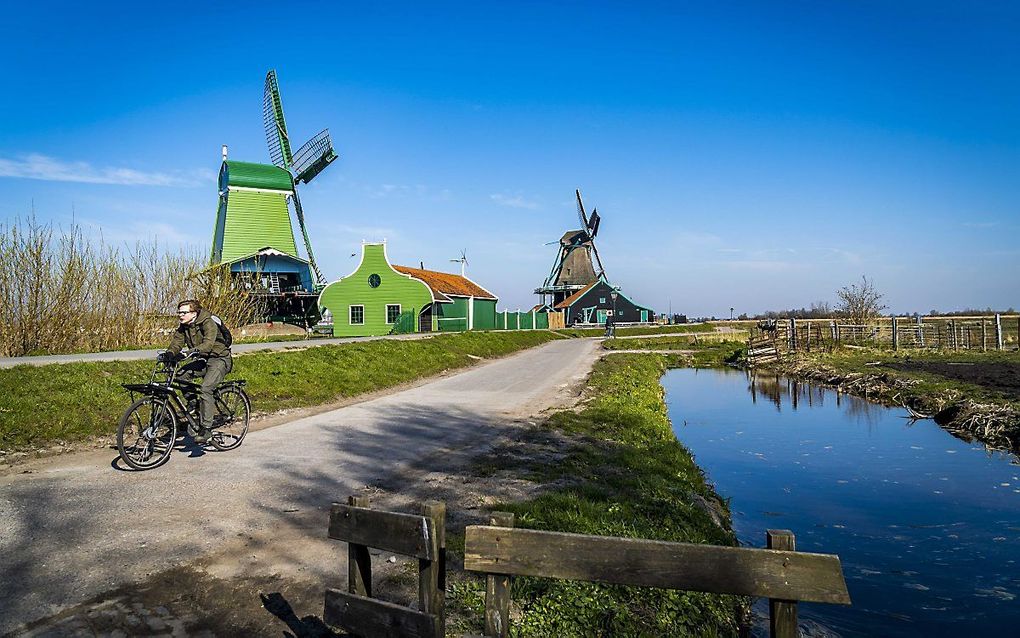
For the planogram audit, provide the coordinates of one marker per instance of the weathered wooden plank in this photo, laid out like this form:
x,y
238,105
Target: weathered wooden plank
x,y
406,534
782,613
627,561
359,562
431,573
373,618
497,590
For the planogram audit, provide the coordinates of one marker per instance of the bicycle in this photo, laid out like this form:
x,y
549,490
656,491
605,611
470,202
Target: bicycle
x,y
147,431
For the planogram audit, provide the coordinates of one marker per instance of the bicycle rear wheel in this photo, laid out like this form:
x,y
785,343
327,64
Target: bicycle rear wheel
x,y
231,424
146,433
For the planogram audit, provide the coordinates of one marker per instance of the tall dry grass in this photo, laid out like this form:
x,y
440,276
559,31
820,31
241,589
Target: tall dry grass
x,y
61,293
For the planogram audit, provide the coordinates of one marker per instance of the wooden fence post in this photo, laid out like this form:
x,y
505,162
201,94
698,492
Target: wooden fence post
x,y
895,335
998,331
497,590
782,613
359,562
920,329
432,573
793,333
984,336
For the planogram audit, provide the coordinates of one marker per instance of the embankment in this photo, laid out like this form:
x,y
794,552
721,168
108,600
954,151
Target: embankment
x,y
613,467
974,405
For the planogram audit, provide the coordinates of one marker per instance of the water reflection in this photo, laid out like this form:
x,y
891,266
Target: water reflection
x,y
779,390
927,526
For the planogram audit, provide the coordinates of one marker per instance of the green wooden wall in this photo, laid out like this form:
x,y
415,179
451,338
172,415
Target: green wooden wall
x,y
254,220
485,314
354,289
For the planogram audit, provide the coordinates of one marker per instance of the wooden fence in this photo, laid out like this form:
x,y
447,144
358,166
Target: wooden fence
x,y
779,573
770,339
422,536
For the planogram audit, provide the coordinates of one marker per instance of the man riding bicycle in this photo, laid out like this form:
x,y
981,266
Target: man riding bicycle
x,y
200,333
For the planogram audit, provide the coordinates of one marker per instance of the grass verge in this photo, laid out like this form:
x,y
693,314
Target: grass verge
x,y
74,401
625,474
686,328
677,342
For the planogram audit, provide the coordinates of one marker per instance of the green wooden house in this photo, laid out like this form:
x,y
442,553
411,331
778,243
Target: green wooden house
x,y
380,298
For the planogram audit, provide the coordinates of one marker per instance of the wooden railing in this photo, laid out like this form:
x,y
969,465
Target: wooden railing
x,y
422,537
779,573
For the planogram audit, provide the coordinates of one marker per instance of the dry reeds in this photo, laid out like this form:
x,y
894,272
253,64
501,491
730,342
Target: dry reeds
x,y
60,293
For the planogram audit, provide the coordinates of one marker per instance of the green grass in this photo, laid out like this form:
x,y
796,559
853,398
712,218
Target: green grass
x,y
640,330
75,401
630,477
679,342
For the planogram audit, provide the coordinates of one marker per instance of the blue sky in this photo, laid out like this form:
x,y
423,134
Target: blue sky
x,y
747,155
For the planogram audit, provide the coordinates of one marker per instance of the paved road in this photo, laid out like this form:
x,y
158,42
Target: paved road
x,y
76,527
240,348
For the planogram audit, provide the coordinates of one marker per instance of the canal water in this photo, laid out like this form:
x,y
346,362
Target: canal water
x,y
927,526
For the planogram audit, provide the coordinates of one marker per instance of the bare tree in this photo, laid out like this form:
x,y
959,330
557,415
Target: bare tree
x,y
861,302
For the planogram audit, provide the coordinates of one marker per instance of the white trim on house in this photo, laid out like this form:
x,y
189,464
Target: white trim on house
x,y
350,314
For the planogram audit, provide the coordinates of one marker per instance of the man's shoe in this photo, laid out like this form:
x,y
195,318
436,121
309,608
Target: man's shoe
x,y
202,436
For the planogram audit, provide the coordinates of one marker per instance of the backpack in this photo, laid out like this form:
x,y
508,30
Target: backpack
x,y
225,335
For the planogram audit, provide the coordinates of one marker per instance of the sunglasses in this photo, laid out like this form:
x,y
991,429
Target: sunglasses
x,y
184,312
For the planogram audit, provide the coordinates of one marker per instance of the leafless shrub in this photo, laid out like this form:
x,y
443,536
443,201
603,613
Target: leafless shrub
x,y
61,293
860,303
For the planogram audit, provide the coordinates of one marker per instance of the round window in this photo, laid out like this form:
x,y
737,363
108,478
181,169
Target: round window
x,y
374,280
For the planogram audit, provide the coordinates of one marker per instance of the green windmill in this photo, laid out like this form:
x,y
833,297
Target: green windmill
x,y
254,232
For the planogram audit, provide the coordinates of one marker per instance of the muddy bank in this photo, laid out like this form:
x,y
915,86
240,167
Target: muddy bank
x,y
999,376
995,424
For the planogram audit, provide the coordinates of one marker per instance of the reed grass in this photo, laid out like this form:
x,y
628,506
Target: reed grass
x,y
61,292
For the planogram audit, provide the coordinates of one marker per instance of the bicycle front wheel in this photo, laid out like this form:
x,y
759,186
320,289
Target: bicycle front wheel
x,y
231,424
146,433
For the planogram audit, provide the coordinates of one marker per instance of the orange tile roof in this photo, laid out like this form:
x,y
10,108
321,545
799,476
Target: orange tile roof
x,y
447,283
566,303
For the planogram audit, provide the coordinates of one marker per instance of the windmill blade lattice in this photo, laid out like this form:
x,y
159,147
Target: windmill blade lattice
x,y
313,156
276,126
580,210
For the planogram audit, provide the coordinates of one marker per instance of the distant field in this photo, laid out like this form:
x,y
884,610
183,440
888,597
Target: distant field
x,y
685,328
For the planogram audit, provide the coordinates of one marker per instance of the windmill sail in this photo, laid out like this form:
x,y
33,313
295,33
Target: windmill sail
x,y
315,155
276,126
310,160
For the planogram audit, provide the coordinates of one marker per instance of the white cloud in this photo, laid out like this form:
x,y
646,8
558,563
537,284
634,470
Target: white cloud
x,y
129,232
42,167
513,201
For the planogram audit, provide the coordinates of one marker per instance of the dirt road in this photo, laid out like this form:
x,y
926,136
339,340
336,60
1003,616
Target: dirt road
x,y
74,527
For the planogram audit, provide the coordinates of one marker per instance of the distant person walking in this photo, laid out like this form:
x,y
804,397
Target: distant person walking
x,y
204,335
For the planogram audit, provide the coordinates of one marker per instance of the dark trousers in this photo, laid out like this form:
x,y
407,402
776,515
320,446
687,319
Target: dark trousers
x,y
212,371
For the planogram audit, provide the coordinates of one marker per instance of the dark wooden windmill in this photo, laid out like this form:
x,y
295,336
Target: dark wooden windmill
x,y
577,262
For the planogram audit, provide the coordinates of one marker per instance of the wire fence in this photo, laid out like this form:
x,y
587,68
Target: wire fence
x,y
994,332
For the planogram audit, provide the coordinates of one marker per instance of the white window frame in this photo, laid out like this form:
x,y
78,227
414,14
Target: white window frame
x,y
400,310
350,314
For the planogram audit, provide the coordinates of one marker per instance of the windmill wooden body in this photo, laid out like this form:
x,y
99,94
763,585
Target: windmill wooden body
x,y
254,233
577,264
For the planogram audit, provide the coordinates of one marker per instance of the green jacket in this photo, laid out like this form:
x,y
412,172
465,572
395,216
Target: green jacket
x,y
202,334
